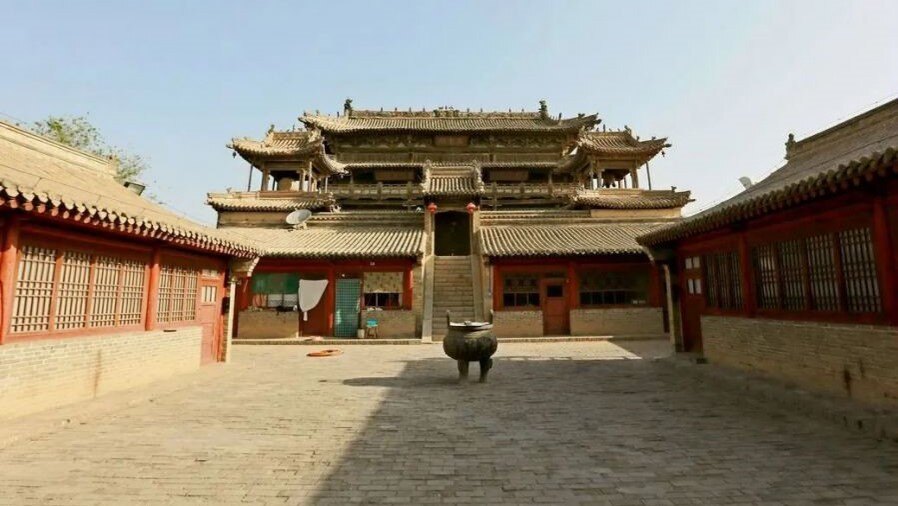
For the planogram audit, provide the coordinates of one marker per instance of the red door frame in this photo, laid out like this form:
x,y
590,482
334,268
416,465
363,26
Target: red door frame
x,y
544,302
692,292
210,312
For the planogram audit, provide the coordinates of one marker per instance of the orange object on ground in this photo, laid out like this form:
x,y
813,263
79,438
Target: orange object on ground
x,y
325,353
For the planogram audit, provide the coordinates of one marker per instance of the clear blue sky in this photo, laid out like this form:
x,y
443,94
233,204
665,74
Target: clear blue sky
x,y
726,81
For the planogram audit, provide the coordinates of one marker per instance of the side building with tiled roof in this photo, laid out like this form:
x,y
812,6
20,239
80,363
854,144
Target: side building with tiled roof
x,y
100,288
521,218
795,277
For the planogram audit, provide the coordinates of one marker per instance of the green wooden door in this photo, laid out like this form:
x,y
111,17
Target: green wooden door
x,y
346,311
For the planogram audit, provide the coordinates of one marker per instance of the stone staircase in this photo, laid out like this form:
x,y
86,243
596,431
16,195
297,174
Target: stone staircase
x,y
452,290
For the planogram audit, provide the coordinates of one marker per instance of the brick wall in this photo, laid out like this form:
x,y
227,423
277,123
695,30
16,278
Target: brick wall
x,y
255,324
630,321
41,374
857,361
518,323
395,324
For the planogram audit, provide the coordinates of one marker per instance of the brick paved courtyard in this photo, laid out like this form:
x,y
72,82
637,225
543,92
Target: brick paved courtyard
x,y
590,423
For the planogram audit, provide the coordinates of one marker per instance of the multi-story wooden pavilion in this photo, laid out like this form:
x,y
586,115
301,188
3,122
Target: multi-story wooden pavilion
x,y
521,217
100,289
795,276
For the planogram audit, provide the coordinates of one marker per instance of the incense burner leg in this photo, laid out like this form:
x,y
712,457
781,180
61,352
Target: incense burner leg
x,y
462,370
485,366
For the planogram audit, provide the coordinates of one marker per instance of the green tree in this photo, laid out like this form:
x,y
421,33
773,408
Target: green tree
x,y
78,132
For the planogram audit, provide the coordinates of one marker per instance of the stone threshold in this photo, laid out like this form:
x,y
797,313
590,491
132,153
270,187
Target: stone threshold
x,y
355,342
325,342
880,423
574,339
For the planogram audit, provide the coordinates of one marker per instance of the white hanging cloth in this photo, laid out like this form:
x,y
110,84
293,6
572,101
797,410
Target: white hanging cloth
x,y
310,292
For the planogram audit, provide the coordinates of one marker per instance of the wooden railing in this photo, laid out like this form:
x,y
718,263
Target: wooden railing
x,y
528,189
376,190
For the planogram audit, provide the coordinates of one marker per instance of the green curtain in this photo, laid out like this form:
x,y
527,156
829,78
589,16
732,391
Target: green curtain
x,y
275,283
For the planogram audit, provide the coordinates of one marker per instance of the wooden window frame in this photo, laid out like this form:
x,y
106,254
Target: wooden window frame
x,y
401,302
720,276
538,276
50,239
582,272
832,223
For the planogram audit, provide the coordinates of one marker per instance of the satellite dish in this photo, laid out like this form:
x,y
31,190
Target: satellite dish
x,y
746,182
298,217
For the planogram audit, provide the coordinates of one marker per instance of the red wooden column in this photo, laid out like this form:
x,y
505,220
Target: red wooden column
x,y
153,290
331,298
497,288
8,258
407,293
573,287
883,249
748,288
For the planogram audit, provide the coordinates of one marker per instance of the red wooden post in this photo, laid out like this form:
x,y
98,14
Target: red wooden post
x,y
8,258
573,286
882,244
497,288
331,299
748,287
153,291
407,294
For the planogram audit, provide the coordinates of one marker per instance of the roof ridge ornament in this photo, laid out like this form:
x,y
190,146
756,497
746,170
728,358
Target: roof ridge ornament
x,y
543,110
790,144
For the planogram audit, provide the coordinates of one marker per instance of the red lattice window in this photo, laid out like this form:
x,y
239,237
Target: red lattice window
x,y
34,289
73,290
830,272
766,279
822,275
59,290
723,280
177,294
859,271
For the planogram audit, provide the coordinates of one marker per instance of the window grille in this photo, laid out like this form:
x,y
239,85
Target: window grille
x,y
72,291
723,280
764,260
604,288
822,273
177,294
87,291
106,282
34,289
520,290
791,267
859,270
812,273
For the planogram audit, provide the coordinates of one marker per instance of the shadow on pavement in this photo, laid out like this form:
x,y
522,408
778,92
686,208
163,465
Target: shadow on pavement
x,y
589,431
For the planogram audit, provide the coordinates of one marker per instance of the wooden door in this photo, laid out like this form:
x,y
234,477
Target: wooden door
x,y
316,322
556,318
209,317
452,234
693,303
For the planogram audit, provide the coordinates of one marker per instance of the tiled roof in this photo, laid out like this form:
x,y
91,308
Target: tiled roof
x,y
563,239
256,201
446,120
849,154
37,174
343,235
278,144
620,144
630,199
